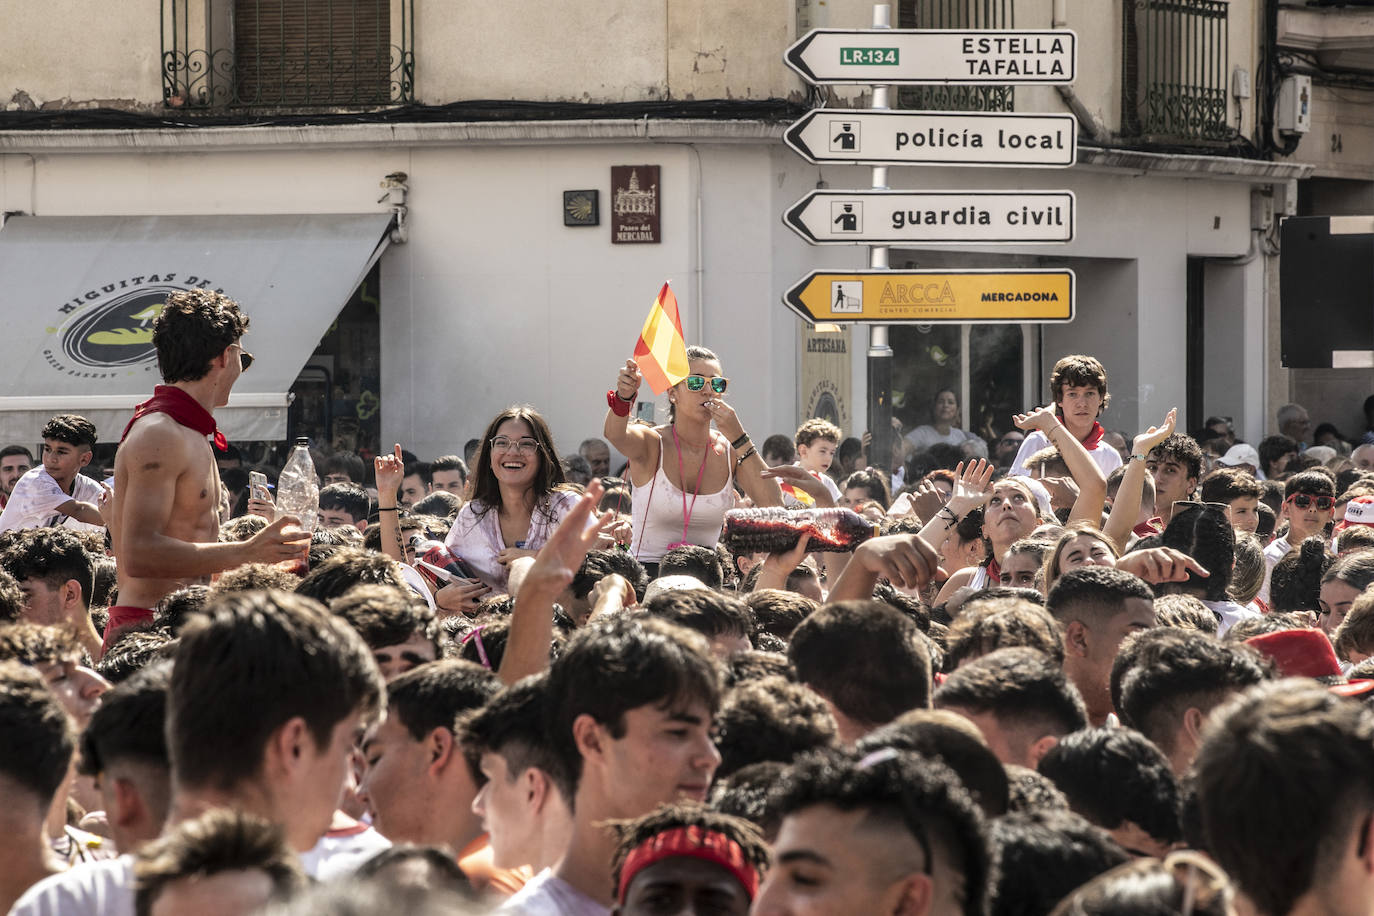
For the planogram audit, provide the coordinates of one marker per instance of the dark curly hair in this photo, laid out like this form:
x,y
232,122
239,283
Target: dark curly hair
x,y
194,327
630,834
771,718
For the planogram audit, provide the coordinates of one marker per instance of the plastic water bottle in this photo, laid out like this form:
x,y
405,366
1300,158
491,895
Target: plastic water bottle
x,y
834,530
298,495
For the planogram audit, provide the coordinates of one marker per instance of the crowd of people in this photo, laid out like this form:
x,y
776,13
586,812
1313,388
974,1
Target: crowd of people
x,y
1064,670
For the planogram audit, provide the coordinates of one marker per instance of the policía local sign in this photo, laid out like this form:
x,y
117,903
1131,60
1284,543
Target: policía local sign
x,y
893,217
878,137
933,56
934,296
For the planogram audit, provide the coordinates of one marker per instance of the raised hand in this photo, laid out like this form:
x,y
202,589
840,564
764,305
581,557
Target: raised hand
x,y
802,480
1042,418
627,382
1152,437
972,486
927,500
390,470
561,556
905,560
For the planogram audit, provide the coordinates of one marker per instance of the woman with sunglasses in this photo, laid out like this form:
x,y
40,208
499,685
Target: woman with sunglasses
x,y
683,473
518,498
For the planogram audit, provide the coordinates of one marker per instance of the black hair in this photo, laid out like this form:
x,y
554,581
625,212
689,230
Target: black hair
x,y
38,734
1295,581
863,657
1313,483
193,327
129,723
917,795
511,724
1271,448
616,665
601,563
710,613
631,834
1182,449
955,742
72,429
747,793
347,568
53,555
1173,670
987,624
1097,591
432,695
1115,775
1043,856
1017,685
346,463
778,611
701,563
347,497
1205,534
770,719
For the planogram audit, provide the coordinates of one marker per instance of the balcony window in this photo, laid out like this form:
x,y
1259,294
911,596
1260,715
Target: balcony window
x,y
956,14
1175,70
287,53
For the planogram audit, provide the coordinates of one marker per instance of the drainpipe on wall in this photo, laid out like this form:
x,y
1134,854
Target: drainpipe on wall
x,y
1086,119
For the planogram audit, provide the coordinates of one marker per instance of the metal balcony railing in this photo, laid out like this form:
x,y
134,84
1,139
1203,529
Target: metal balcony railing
x,y
956,14
284,54
1175,70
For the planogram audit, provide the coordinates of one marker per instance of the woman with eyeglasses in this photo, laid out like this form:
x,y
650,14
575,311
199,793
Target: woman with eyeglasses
x,y
518,497
683,473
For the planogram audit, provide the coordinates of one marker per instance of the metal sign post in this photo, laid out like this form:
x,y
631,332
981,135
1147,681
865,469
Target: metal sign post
x,y
879,351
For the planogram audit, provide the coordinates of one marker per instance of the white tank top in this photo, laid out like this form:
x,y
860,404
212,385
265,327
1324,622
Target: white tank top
x,y
657,514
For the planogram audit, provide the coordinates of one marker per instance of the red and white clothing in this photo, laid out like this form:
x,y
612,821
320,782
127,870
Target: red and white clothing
x,y
1107,458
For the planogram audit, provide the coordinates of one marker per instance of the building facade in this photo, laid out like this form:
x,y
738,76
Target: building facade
x,y
409,180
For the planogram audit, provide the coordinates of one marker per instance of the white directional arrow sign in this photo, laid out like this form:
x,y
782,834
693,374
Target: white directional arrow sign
x,y
935,56
894,217
875,137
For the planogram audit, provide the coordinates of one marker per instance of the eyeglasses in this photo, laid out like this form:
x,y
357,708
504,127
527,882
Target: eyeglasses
x,y
1305,500
698,382
524,445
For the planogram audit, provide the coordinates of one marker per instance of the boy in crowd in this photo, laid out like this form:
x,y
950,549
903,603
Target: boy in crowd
x,y
15,462
816,441
1309,505
1175,679
57,576
682,858
344,504
630,709
397,626
1097,606
1078,385
56,493
525,795
449,474
891,832
34,757
418,782
1239,492
1285,785
1019,699
865,661
268,692
1175,464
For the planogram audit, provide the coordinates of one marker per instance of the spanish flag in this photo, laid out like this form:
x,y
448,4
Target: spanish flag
x,y
661,351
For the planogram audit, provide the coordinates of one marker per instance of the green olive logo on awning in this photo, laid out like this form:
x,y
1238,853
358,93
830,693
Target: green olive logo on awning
x,y
119,332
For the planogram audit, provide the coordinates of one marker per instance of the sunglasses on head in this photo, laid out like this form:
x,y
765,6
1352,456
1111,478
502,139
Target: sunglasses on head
x,y
1305,500
698,382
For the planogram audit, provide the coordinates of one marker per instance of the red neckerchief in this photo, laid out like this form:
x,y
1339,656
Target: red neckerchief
x,y
181,407
1146,528
994,573
1094,437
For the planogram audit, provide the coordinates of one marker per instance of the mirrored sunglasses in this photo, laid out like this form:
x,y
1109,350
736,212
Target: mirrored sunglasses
x,y
698,382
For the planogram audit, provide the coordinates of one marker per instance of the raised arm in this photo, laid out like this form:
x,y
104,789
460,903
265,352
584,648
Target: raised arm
x,y
633,440
390,471
972,484
531,619
1126,506
152,462
1092,483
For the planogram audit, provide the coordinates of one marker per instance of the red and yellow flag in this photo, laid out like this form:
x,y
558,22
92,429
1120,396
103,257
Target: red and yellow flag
x,y
661,351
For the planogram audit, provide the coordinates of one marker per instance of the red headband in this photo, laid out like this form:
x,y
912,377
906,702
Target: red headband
x,y
697,843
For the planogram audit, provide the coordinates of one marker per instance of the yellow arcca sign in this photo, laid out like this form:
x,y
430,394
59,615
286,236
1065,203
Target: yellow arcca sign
x,y
935,296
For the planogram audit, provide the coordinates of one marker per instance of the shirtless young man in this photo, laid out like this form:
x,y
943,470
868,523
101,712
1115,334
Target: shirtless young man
x,y
164,515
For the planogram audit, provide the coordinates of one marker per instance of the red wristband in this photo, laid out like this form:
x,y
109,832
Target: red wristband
x,y
619,406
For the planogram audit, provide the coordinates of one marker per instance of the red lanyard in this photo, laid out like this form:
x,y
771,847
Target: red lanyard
x,y
701,472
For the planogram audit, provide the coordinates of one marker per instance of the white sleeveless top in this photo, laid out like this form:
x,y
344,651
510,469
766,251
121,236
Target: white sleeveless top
x,y
657,512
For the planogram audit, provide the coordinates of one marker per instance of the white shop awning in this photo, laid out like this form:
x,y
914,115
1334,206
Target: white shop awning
x,y
78,295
